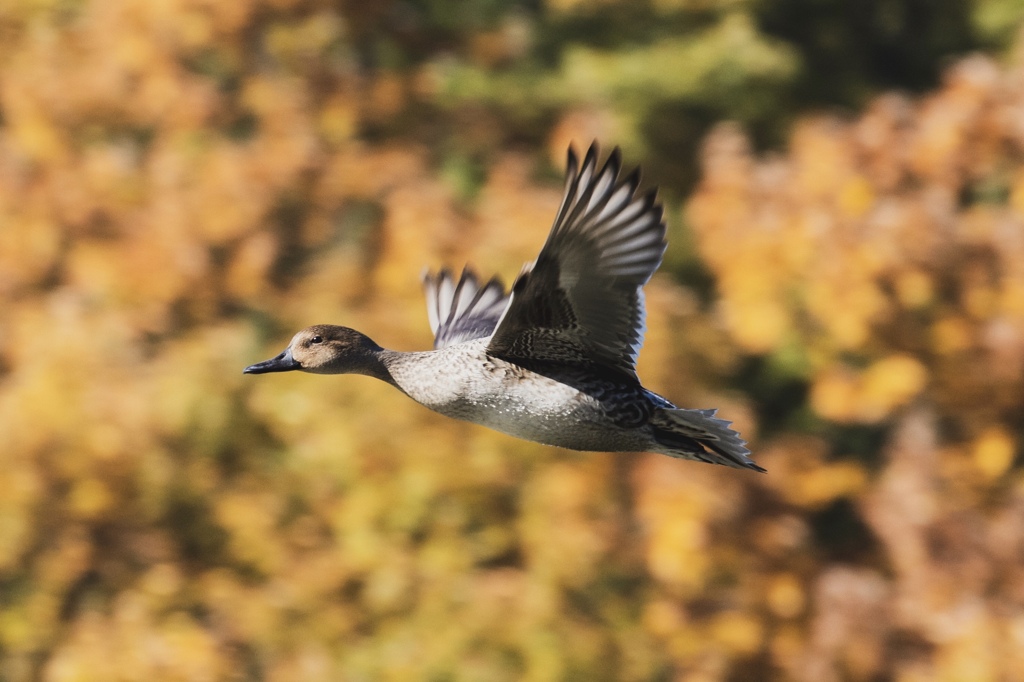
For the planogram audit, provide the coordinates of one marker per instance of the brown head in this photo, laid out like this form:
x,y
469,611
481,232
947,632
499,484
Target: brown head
x,y
326,349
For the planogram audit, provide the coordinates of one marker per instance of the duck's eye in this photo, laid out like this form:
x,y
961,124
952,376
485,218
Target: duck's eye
x,y
317,339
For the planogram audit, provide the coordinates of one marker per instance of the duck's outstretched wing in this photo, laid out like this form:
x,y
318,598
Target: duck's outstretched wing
x,y
463,310
581,302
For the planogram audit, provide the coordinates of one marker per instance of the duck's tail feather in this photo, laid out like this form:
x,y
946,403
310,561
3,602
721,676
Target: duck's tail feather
x,y
699,435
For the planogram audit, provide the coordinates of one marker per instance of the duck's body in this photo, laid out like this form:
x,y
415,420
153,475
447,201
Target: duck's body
x,y
574,410
553,360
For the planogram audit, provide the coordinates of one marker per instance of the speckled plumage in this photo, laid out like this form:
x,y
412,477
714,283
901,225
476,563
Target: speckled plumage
x,y
554,359
465,382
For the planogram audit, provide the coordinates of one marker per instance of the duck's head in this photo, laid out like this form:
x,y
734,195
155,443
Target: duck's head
x,y
324,349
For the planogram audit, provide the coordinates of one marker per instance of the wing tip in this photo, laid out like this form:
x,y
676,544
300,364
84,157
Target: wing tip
x,y
469,273
572,162
430,277
614,161
590,160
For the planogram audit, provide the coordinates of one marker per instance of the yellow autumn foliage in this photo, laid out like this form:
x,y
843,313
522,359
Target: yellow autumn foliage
x,y
184,184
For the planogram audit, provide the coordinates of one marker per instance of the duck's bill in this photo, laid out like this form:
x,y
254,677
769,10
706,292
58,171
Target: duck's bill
x,y
282,363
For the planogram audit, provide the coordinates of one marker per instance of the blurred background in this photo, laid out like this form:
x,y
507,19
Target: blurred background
x,y
185,183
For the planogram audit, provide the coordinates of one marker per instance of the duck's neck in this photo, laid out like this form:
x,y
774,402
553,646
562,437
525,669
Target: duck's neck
x,y
374,362
403,370
398,368
387,365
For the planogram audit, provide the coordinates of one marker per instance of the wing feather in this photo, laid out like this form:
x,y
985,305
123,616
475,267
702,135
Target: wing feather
x,y
581,302
462,310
